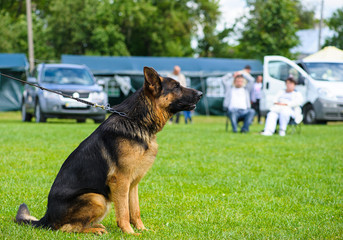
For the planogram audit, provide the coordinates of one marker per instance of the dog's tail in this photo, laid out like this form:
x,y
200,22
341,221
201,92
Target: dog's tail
x,y
24,217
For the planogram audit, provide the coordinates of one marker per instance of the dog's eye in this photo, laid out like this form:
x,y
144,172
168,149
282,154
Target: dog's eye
x,y
177,85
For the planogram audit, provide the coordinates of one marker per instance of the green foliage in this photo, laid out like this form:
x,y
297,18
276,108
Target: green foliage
x,y
269,29
150,28
209,16
70,25
157,28
123,27
13,33
305,17
205,184
335,23
43,49
18,7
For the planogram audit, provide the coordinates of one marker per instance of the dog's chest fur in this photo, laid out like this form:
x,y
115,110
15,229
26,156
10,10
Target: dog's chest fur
x,y
133,159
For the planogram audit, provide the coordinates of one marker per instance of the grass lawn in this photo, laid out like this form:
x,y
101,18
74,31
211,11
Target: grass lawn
x,y
205,184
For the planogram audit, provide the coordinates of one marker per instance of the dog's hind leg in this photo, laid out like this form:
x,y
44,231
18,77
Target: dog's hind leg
x,y
89,208
135,214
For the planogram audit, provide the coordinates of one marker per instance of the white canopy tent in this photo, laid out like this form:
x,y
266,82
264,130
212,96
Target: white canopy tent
x,y
327,54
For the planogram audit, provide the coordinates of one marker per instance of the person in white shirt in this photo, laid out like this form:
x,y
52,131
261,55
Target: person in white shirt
x,y
178,76
237,104
286,105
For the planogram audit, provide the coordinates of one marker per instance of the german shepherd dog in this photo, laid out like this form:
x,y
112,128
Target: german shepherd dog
x,y
108,165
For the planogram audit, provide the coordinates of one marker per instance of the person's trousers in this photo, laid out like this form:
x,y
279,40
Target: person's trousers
x,y
272,117
177,115
236,114
256,107
187,115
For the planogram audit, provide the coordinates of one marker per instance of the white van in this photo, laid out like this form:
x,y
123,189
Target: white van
x,y
320,82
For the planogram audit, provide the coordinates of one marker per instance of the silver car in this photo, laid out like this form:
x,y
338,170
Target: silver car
x,y
70,79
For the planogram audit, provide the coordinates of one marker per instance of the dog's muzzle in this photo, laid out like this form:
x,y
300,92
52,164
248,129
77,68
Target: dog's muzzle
x,y
198,95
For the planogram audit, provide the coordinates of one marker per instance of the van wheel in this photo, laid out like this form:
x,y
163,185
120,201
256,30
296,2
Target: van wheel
x,y
38,114
309,115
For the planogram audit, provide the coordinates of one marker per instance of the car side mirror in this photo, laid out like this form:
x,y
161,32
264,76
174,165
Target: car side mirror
x,y
31,80
301,80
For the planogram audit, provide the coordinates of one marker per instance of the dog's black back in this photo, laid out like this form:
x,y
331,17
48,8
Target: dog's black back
x,y
87,169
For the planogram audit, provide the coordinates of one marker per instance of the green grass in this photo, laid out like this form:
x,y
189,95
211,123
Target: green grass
x,y
205,183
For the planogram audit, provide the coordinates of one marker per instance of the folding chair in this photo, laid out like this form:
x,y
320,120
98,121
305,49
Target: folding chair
x,y
228,122
294,127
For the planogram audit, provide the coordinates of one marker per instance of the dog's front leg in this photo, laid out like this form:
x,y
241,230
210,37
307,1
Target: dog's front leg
x,y
135,214
120,197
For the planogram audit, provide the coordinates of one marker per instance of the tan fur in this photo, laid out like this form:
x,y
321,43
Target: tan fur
x,y
134,162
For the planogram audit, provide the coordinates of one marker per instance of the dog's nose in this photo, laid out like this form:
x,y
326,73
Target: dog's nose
x,y
199,94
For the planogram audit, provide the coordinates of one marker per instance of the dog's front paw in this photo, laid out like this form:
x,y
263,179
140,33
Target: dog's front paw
x,y
127,229
140,226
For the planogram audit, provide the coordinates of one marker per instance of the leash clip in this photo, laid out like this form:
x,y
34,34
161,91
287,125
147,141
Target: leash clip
x,y
108,108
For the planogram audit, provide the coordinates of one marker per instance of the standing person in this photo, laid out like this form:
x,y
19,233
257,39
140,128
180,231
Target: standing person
x,y
256,94
188,116
237,104
286,105
178,76
246,73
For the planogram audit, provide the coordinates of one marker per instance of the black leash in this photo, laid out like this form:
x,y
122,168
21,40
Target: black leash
x,y
107,108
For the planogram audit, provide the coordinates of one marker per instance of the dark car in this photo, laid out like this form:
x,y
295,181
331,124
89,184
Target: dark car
x,y
70,79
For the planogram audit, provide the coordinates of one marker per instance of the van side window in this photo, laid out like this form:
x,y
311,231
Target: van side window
x,y
281,71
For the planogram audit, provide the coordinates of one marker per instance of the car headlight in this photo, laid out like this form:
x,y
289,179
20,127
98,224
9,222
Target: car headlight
x,y
50,95
98,96
326,93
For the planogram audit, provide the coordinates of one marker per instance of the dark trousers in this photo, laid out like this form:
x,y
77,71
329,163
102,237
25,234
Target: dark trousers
x,y
187,114
177,116
256,107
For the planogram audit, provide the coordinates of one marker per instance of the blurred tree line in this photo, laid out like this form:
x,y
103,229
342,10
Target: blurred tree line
x,y
151,28
335,23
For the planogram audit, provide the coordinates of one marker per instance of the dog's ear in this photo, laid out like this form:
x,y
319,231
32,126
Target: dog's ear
x,y
152,81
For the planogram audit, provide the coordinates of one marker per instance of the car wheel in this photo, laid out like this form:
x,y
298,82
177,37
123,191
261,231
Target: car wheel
x,y
25,117
38,114
100,119
81,120
309,115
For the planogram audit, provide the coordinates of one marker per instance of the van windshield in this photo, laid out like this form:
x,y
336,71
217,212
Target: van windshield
x,y
66,76
332,72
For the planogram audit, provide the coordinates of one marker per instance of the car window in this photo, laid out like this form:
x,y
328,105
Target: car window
x,y
281,71
65,76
